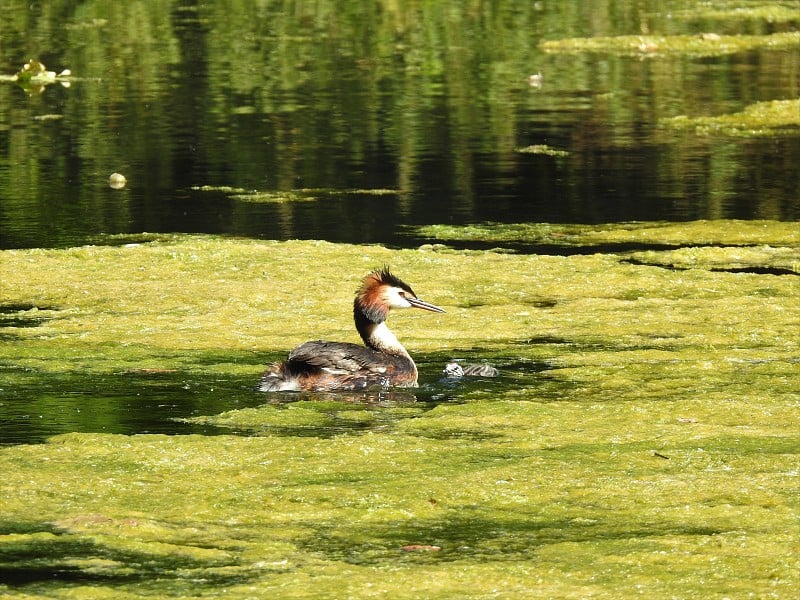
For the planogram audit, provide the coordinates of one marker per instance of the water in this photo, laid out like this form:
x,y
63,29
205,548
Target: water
x,y
642,434
338,103
123,404
185,95
160,402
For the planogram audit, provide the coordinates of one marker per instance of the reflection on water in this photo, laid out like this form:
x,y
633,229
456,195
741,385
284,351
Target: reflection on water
x,y
178,403
422,100
124,404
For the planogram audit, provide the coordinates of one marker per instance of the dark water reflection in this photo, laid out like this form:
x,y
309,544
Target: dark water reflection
x,y
430,101
122,404
150,402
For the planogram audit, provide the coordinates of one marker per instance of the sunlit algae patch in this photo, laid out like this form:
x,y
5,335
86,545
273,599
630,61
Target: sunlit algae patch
x,y
642,437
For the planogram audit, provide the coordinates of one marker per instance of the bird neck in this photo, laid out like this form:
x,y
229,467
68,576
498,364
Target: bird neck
x,y
378,336
382,339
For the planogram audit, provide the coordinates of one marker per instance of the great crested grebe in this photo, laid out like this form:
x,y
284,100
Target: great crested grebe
x,y
454,370
329,366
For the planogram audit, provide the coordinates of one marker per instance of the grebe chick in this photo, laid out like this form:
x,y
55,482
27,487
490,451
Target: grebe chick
x,y
454,370
330,366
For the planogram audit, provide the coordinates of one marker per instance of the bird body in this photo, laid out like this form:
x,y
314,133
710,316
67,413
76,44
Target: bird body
x,y
455,370
382,361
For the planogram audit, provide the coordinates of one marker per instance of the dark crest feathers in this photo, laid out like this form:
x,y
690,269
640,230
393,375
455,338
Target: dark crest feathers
x,y
383,276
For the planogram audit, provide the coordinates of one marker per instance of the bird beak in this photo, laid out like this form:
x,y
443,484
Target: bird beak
x,y
417,303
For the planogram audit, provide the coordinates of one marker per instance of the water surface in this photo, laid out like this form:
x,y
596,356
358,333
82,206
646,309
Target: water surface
x,y
642,437
420,101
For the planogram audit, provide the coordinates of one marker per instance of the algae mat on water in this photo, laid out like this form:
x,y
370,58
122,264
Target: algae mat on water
x,y
642,438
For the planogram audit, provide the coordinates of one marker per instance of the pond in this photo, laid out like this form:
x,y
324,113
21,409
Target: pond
x,y
348,125
603,199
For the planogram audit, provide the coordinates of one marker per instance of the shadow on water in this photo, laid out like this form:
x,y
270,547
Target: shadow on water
x,y
513,537
16,315
753,270
523,247
51,554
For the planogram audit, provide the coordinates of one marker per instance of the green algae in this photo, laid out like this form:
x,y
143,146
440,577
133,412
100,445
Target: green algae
x,y
772,118
317,416
703,45
754,259
693,233
274,197
262,515
642,435
307,194
543,149
735,11
298,195
191,295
